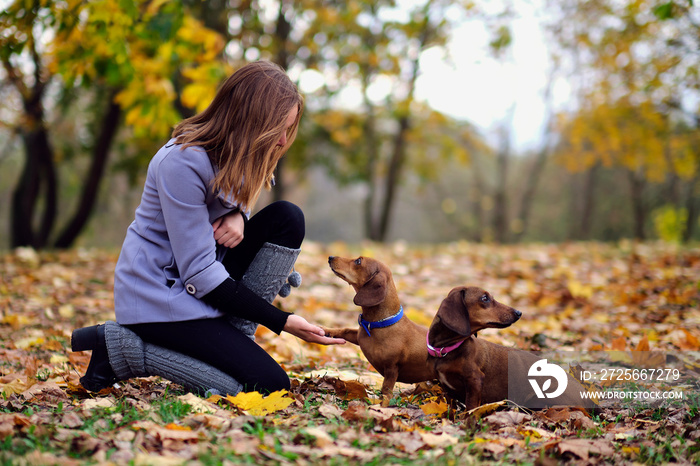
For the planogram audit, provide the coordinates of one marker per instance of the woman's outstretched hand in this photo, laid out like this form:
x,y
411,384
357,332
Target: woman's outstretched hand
x,y
299,327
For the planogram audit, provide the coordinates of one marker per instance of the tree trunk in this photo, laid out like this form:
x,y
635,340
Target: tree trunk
x,y
691,204
500,215
691,207
37,184
283,59
372,151
582,207
477,196
587,211
637,191
380,229
94,177
530,188
371,226
539,164
392,181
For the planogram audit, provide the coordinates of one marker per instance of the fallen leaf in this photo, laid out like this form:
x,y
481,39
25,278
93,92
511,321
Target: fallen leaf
x,y
16,386
355,412
254,403
483,410
437,440
71,420
98,403
434,407
321,438
619,344
536,433
506,418
197,404
583,448
329,411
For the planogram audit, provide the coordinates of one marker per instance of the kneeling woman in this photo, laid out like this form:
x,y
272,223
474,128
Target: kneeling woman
x,y
195,275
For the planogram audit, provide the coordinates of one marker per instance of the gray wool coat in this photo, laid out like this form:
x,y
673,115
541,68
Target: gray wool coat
x,y
169,258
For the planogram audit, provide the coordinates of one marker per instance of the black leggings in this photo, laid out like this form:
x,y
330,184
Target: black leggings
x,y
215,341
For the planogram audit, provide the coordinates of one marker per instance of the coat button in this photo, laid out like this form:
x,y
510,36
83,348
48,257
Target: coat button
x,y
191,288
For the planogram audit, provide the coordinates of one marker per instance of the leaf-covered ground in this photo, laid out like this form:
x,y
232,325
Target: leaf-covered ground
x,y
583,297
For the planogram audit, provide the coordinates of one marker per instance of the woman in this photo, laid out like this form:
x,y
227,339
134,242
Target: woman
x,y
195,276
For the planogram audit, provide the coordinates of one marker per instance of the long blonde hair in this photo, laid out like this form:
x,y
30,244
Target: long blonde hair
x,y
241,127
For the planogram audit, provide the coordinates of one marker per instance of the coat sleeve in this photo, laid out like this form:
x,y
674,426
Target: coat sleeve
x,y
234,298
182,180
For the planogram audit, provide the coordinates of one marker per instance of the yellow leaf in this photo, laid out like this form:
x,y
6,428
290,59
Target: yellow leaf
x,y
154,6
58,359
66,311
16,321
214,398
434,408
620,356
579,290
530,432
173,426
197,96
421,318
481,411
256,405
25,343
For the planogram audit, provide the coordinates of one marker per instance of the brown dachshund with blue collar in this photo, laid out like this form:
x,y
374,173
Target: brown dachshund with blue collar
x,y
391,342
475,371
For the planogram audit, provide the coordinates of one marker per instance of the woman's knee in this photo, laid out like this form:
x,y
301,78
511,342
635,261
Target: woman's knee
x,y
292,221
290,212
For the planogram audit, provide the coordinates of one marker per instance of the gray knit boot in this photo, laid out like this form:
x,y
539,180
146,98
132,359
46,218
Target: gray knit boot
x,y
130,357
267,276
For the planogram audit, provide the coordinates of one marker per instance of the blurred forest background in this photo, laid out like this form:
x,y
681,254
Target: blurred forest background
x,y
89,90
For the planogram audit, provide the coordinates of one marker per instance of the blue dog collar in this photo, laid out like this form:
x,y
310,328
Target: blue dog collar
x,y
367,325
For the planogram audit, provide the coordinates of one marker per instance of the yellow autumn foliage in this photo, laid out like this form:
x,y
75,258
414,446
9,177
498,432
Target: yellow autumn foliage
x,y
257,405
142,52
637,136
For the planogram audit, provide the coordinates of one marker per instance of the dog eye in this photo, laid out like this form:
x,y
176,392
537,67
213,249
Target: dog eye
x,y
485,299
358,261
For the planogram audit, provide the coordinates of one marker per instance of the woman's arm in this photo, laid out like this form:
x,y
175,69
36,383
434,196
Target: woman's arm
x,y
236,299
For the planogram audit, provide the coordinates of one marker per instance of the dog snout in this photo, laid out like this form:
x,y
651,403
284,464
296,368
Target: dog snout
x,y
517,313
330,259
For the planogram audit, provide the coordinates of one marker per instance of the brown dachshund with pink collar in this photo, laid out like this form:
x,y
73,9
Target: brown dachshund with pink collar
x,y
475,371
391,342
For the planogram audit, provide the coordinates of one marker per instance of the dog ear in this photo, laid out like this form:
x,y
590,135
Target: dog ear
x,y
453,312
373,292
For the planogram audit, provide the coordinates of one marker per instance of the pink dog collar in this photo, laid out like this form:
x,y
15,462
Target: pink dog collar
x,y
441,352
